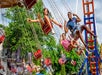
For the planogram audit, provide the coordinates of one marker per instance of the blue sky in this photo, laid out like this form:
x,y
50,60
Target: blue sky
x,y
3,20
62,7
70,5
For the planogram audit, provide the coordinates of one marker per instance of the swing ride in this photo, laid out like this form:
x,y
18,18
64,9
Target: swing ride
x,y
12,3
92,60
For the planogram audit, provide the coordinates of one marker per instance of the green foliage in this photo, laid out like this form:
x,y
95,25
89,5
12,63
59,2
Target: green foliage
x,y
2,26
63,71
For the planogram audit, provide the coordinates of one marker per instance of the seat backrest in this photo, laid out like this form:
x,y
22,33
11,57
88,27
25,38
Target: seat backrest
x,y
29,3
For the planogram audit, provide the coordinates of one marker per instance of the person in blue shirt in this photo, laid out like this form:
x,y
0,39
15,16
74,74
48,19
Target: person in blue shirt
x,y
75,28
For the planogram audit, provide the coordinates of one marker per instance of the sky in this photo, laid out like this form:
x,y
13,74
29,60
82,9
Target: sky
x,y
3,20
59,9
71,5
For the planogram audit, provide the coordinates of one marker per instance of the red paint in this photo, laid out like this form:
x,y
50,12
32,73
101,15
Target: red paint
x,y
2,38
38,54
47,61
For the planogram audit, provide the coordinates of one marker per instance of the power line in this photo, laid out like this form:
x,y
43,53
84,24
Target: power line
x,y
67,5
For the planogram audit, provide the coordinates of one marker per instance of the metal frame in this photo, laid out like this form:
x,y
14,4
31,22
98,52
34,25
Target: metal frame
x,y
89,20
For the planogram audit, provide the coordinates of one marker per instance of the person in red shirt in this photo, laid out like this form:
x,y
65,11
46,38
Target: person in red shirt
x,y
47,20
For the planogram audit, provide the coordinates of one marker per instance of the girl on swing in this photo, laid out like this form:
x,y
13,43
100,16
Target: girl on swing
x,y
47,20
69,43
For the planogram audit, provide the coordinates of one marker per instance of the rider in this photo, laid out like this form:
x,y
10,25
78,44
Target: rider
x,y
68,44
47,20
76,29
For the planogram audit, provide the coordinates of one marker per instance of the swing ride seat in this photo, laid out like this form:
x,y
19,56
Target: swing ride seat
x,y
38,54
29,3
46,28
2,38
11,3
47,62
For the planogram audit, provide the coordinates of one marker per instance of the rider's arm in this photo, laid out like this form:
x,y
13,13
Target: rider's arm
x,y
65,28
56,23
60,39
77,18
30,20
